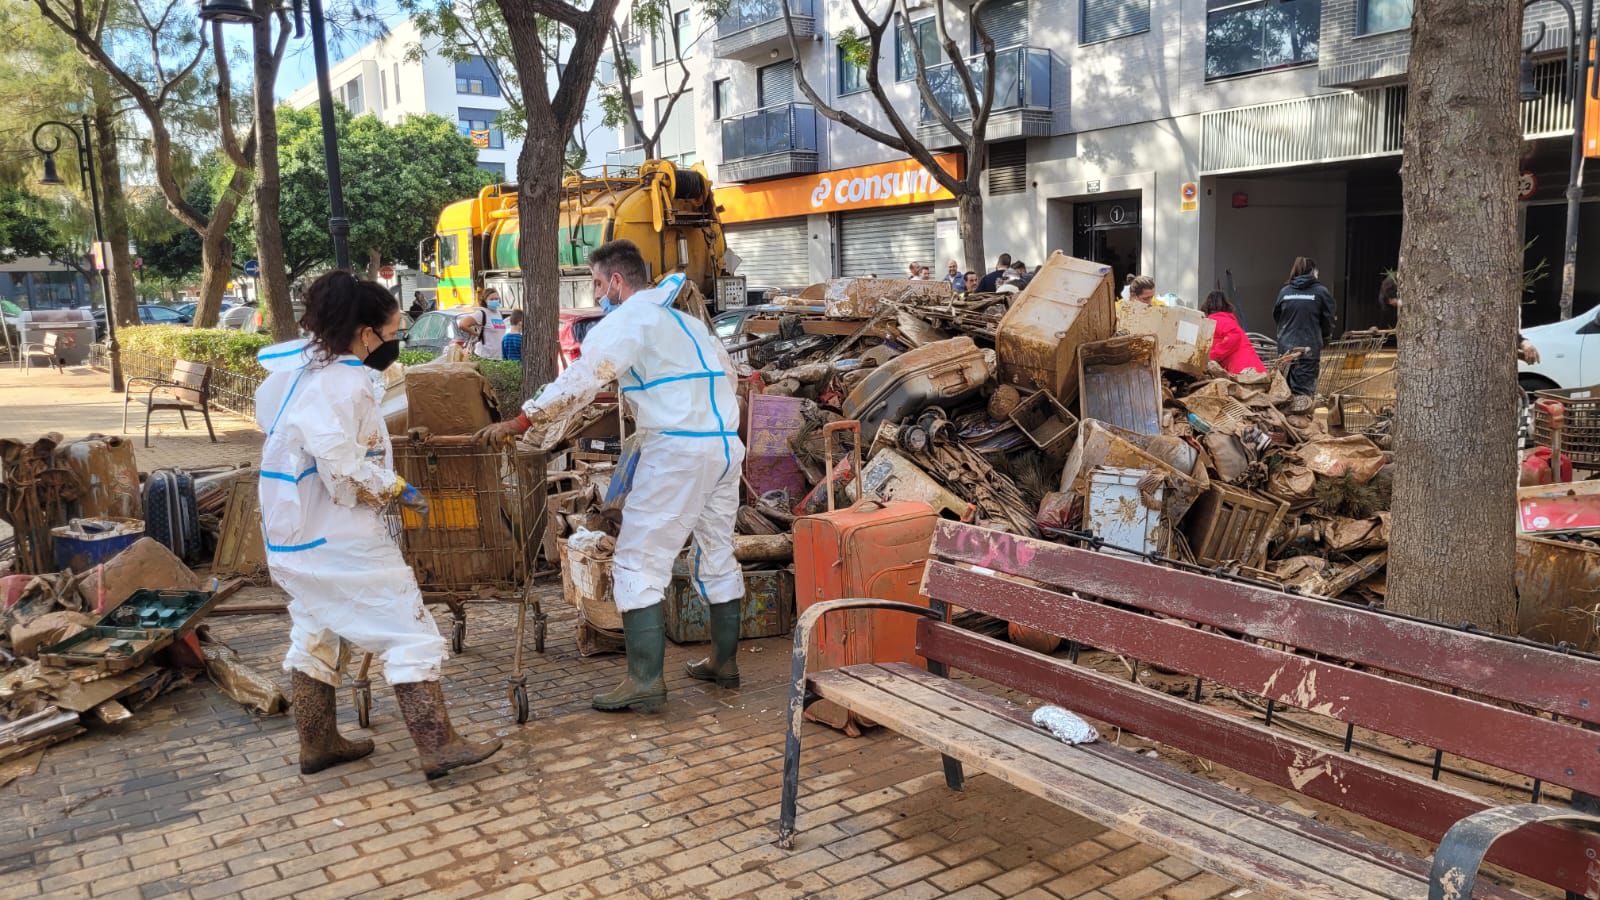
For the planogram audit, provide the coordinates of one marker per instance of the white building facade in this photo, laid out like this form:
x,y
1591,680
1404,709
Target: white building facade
x,y
384,80
1204,142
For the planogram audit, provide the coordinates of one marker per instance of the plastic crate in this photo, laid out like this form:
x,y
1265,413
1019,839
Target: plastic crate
x,y
1580,430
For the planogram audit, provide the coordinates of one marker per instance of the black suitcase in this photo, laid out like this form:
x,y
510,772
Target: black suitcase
x,y
170,513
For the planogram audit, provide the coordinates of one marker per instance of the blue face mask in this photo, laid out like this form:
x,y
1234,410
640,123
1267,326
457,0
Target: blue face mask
x,y
606,304
495,303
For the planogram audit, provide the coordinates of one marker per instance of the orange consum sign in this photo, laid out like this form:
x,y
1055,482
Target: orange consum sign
x,y
899,183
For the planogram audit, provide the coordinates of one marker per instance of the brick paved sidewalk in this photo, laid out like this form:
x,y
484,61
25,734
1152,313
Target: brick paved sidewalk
x,y
196,798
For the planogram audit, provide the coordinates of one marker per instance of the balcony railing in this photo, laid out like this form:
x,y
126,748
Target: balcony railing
x,y
1022,81
746,14
775,129
625,157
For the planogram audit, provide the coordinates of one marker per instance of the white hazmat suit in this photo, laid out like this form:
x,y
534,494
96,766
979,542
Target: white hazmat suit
x,y
680,384
327,471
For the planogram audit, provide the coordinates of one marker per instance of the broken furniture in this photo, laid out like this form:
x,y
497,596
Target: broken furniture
x,y
186,390
1404,683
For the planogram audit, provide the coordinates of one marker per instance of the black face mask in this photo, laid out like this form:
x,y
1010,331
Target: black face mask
x,y
383,357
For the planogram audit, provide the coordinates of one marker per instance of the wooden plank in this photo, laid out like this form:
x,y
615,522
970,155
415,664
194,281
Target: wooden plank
x,y
1542,748
1216,839
1557,856
831,327
1475,663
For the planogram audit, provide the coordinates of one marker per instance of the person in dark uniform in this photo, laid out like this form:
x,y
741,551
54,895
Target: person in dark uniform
x,y
1304,312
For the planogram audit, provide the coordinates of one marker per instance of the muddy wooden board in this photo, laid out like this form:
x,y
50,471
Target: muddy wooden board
x,y
1270,856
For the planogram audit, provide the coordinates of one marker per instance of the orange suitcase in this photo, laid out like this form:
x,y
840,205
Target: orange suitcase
x,y
872,549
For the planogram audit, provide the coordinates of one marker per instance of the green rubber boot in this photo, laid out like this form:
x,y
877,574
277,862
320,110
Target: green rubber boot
x,y
723,664
644,633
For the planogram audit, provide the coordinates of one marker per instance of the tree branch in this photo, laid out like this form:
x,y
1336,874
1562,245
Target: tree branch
x,y
924,86
559,10
230,144
567,105
625,85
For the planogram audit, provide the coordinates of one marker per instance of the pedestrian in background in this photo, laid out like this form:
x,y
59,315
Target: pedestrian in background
x,y
991,282
511,344
418,306
1304,312
971,284
1138,289
1020,276
1230,346
956,277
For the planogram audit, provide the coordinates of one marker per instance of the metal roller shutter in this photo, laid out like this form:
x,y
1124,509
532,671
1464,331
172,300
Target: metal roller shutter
x,y
883,241
1006,23
771,254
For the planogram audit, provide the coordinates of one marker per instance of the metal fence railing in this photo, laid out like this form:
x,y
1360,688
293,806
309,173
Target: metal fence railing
x,y
230,390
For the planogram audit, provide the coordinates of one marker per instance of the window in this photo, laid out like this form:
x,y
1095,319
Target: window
x,y
350,95
1104,20
497,169
1384,15
397,82
447,250
1005,22
905,58
662,48
480,121
678,135
383,86
1260,35
852,75
160,315
720,103
473,76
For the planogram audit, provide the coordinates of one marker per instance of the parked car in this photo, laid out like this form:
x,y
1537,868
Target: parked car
x,y
1569,354
433,330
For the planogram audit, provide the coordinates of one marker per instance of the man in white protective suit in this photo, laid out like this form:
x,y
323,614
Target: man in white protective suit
x,y
679,383
327,478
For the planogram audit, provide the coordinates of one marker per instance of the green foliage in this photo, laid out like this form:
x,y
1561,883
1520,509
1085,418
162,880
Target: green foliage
x,y
28,227
857,51
396,180
416,357
505,377
222,349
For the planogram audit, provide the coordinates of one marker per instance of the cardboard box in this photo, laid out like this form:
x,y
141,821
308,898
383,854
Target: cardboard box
x,y
1183,336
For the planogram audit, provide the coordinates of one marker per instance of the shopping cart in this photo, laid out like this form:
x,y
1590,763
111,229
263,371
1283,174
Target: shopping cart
x,y
479,540
1357,355
1366,405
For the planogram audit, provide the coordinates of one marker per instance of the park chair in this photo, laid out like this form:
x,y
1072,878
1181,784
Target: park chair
x,y
187,390
48,350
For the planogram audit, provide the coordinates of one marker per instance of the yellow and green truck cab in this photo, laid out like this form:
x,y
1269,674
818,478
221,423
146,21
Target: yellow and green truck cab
x,y
668,211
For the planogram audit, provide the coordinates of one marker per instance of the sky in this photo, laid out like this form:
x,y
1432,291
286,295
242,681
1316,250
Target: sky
x,y
299,68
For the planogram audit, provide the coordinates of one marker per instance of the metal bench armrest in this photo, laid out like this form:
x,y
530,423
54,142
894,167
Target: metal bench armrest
x,y
1460,854
797,692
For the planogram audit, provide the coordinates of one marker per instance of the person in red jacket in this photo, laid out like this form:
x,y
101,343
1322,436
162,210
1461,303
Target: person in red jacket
x,y
1230,347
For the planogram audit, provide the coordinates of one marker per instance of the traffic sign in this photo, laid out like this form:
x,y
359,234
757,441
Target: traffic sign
x,y
252,268
386,273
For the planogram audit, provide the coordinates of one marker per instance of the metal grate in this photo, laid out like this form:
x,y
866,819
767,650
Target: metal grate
x,y
1348,125
1008,168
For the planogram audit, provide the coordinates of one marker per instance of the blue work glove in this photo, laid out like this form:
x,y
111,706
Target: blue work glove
x,y
412,499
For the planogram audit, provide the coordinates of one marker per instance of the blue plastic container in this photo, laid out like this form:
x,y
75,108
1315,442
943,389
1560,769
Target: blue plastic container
x,y
83,544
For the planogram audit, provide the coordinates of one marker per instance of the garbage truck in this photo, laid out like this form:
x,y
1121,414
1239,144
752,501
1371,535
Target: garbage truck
x,y
666,209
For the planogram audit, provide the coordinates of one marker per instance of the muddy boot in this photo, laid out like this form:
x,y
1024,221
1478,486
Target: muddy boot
x,y
723,664
644,632
316,719
441,749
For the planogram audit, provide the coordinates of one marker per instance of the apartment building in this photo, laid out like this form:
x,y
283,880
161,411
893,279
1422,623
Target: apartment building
x,y
1204,142
383,79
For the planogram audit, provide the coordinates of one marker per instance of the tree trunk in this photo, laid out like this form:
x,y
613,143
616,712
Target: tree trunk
x,y
1453,549
274,280
539,205
216,252
969,208
374,263
114,206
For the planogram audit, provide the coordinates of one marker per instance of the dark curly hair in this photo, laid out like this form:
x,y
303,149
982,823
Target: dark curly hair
x,y
338,305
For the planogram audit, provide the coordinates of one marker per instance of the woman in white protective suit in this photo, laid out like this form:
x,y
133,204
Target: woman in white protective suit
x,y
326,477
680,384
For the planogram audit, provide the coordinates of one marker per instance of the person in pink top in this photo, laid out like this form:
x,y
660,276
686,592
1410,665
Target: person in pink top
x,y
1230,347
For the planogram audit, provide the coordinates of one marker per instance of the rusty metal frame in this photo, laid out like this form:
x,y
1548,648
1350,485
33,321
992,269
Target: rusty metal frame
x,y
1455,864
1553,855
1566,683
798,697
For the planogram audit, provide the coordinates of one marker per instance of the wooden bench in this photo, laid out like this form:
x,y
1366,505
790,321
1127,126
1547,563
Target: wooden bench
x,y
1510,704
187,390
48,350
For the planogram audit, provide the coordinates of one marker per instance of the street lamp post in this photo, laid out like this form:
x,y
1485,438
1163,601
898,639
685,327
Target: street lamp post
x,y
1580,30
244,11
85,145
